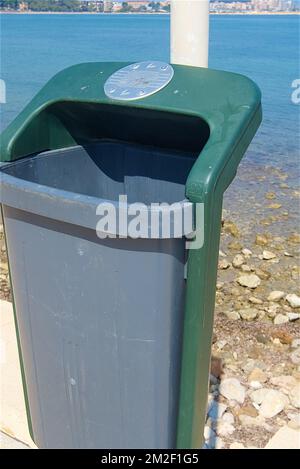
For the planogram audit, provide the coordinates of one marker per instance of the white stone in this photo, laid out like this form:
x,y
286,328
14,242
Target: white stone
x,y
295,356
293,316
295,343
246,268
293,300
273,403
236,445
276,295
224,264
258,396
224,428
247,253
267,255
294,396
228,417
281,319
294,421
255,385
220,344
285,382
254,300
232,389
250,280
272,310
238,260
216,410
233,315
248,314
285,438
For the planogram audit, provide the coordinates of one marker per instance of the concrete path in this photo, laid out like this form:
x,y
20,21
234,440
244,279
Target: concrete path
x,y
13,419
6,442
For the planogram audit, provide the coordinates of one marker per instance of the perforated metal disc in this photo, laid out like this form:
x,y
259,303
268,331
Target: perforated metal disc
x,y
138,80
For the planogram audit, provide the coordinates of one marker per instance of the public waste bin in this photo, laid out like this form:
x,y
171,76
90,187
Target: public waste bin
x,y
115,332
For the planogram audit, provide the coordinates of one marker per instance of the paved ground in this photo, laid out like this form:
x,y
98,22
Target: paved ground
x,y
13,419
6,442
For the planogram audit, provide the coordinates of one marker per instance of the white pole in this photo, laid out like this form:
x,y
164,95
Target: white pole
x,y
189,32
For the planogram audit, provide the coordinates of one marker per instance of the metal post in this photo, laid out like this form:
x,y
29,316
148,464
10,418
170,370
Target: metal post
x,y
189,32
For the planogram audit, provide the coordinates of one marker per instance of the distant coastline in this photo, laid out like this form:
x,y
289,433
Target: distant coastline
x,y
248,13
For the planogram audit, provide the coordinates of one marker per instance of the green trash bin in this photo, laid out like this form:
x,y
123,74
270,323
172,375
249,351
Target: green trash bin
x,y
115,333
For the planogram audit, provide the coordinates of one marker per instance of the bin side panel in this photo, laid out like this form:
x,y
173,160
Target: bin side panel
x,y
100,326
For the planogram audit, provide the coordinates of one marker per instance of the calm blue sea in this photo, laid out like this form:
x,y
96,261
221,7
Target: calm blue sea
x,y
34,47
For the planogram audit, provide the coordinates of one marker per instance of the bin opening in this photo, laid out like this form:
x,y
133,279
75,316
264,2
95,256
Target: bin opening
x,y
68,123
111,150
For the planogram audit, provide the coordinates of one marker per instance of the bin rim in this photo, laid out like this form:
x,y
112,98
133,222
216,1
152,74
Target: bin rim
x,y
72,207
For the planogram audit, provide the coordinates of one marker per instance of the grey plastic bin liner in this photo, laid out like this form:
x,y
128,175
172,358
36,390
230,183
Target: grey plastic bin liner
x,y
100,320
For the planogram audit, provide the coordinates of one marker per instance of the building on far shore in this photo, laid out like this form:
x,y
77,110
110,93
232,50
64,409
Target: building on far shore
x,y
120,6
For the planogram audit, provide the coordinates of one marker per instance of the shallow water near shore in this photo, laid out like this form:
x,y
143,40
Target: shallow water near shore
x,y
35,47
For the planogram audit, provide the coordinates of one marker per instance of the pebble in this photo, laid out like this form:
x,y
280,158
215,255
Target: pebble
x,y
246,268
295,356
250,280
224,428
295,343
285,382
248,314
238,260
254,300
270,195
284,438
293,300
273,403
236,445
276,295
220,344
281,319
247,421
230,227
216,366
255,384
272,310
261,240
267,255
224,264
263,274
235,246
294,238
247,253
293,316
233,315
232,389
294,396
228,417
258,396
294,421
257,375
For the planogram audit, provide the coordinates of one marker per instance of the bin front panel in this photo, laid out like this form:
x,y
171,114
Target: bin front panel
x,y
100,325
